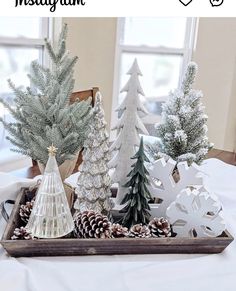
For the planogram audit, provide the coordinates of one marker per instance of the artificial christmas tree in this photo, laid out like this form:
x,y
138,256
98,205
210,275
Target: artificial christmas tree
x,y
183,128
94,183
136,201
51,216
128,128
44,114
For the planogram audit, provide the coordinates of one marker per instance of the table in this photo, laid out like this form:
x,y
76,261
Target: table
x,y
141,272
225,156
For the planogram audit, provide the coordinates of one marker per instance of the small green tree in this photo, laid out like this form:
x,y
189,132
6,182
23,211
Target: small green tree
x,y
136,201
43,114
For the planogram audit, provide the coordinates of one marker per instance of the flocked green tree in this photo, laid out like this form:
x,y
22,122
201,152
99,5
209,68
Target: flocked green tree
x,y
43,113
183,128
136,200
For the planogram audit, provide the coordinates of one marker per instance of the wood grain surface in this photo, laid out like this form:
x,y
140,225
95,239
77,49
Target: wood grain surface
x,y
80,247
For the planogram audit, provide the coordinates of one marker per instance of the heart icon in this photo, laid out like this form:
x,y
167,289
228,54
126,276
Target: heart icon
x,y
185,2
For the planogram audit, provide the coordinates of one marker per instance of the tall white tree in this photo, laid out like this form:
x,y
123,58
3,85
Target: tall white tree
x,y
128,127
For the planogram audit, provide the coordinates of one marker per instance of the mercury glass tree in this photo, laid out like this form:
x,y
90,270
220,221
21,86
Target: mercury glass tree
x,y
94,183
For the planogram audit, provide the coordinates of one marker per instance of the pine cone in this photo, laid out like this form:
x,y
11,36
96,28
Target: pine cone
x,y
139,231
21,233
25,211
118,231
90,224
160,227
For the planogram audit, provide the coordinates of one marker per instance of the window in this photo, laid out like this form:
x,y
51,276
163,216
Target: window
x,y
21,42
163,47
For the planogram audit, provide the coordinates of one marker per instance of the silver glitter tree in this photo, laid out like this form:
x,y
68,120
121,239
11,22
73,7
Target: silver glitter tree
x,y
94,183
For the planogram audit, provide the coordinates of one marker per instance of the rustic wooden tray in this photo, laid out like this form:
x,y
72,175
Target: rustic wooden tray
x,y
74,247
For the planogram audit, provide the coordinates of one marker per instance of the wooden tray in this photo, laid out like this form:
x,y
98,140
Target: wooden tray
x,y
74,247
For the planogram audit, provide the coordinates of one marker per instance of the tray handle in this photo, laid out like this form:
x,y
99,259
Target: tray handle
x,y
3,211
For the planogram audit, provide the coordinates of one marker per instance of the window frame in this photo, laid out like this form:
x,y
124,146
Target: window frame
x,y
47,30
30,42
186,52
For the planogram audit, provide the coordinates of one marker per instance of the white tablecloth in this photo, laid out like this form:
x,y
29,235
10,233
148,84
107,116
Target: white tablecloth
x,y
147,273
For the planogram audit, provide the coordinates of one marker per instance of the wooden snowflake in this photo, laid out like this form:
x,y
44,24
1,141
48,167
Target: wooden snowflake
x,y
195,213
163,185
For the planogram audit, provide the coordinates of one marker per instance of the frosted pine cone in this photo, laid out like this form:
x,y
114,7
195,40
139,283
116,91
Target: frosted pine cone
x,y
25,211
90,224
118,231
21,233
139,231
160,227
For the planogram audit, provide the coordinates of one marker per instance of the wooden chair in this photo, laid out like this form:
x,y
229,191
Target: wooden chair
x,y
81,95
84,95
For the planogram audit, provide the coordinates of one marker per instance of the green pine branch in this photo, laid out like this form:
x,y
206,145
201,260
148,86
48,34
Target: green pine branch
x,y
43,113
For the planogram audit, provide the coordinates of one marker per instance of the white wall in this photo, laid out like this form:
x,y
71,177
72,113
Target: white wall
x,y
216,57
93,40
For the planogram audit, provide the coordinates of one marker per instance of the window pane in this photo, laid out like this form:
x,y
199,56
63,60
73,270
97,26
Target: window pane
x,y
167,32
160,73
21,27
15,65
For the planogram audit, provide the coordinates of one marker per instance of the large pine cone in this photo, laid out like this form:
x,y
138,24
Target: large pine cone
x,y
118,231
90,224
139,231
25,211
21,233
160,227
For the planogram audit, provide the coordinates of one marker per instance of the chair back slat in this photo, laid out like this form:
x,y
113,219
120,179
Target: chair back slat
x,y
84,95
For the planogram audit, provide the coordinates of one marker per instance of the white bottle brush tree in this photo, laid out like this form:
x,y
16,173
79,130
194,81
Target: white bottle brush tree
x,y
128,127
94,183
183,128
43,114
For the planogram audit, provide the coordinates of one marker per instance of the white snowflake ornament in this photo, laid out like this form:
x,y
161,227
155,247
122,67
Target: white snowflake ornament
x,y
163,185
195,213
